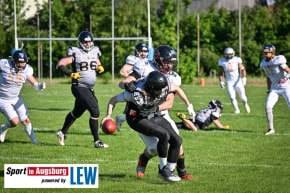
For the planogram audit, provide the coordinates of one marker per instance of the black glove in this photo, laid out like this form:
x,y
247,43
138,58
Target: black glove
x,y
130,86
148,110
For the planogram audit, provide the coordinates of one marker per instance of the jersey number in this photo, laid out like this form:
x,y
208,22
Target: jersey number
x,y
84,66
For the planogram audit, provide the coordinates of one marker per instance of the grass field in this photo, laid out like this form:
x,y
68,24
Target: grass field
x,y
241,160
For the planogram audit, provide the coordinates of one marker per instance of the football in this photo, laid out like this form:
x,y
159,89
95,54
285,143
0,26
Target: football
x,y
109,126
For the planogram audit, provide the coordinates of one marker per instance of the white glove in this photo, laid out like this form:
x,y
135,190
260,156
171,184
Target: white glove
x,y
222,84
39,86
287,76
244,81
190,110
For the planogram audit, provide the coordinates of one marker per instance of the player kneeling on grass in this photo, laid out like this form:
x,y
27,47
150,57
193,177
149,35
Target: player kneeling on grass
x,y
13,74
143,115
204,117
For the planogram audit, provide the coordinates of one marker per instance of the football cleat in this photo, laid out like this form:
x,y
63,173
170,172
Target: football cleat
x,y
2,136
247,107
168,175
183,174
141,166
187,176
270,132
237,111
100,144
60,137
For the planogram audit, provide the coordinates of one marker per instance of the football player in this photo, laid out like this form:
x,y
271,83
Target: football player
x,y
204,117
143,115
86,64
141,53
278,84
14,73
164,60
234,73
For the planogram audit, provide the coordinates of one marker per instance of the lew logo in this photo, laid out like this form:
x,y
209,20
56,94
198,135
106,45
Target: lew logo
x,y
83,175
51,176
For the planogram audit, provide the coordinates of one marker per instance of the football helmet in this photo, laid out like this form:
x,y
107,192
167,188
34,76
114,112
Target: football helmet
x,y
86,40
141,50
155,84
269,48
19,59
229,53
165,58
213,104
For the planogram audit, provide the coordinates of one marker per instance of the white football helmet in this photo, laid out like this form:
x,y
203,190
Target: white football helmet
x,y
229,52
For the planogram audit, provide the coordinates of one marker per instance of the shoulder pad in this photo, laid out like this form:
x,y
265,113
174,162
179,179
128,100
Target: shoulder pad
x,y
131,59
280,59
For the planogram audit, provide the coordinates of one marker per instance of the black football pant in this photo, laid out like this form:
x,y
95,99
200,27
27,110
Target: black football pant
x,y
160,128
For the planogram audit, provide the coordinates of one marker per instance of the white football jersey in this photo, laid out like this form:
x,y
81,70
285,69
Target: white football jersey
x,y
274,68
132,60
12,79
174,78
143,67
231,68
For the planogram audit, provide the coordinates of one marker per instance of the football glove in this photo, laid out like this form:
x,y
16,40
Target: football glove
x,y
75,75
227,127
100,69
39,86
181,116
287,76
190,110
283,80
244,80
222,84
130,86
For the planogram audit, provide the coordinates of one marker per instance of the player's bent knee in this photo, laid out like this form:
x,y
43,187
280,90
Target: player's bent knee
x,y
152,152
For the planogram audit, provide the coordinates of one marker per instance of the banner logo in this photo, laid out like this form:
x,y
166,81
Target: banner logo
x,y
51,176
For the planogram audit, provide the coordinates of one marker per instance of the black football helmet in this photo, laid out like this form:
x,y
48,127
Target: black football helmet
x,y
213,104
86,40
163,54
19,59
141,50
229,53
155,84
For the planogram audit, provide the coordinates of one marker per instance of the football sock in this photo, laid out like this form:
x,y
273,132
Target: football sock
x,y
144,160
29,131
269,113
180,162
69,120
235,104
94,126
162,161
5,126
171,166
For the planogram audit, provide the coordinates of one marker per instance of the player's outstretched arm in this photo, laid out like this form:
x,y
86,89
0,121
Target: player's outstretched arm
x,y
37,86
220,125
184,98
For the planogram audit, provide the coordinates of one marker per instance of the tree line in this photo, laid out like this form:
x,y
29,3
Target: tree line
x,y
171,23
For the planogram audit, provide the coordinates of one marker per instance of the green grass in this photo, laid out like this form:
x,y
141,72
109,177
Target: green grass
x,y
241,160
